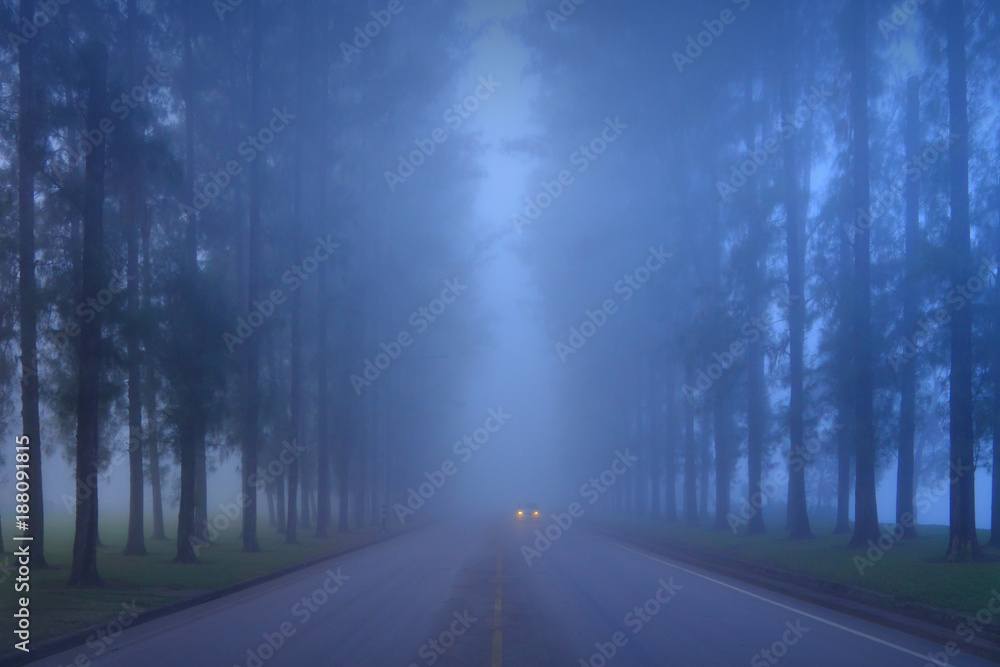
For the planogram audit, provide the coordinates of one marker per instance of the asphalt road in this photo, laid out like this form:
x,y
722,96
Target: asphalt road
x,y
465,594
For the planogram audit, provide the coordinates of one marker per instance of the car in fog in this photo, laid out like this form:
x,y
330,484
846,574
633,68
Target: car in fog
x,y
528,512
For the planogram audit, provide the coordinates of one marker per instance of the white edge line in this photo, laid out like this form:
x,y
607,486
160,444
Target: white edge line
x,y
902,649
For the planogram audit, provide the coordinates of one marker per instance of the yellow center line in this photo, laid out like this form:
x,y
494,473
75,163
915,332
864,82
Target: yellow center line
x,y
497,615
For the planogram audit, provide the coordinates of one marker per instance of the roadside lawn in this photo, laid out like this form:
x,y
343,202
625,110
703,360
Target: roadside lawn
x,y
909,570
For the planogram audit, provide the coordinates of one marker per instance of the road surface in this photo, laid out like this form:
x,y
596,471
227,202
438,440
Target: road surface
x,y
464,594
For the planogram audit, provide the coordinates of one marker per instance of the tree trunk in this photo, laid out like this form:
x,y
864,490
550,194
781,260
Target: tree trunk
x,y
188,417
279,494
845,389
669,438
690,458
27,164
756,385
291,529
251,395
269,493
201,485
152,427
343,493
865,510
83,571
305,518
962,537
135,543
323,509
653,438
704,465
723,460
908,390
995,509
798,515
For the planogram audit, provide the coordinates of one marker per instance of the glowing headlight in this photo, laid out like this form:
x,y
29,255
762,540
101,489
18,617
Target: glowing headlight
x,y
520,513
536,512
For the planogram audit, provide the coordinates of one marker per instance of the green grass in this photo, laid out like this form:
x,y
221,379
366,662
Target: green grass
x,y
909,571
149,581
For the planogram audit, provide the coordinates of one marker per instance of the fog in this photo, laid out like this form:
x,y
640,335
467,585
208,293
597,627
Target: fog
x,y
521,244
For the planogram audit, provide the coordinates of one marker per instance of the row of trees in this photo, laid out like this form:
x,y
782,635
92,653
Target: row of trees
x,y
203,251
826,175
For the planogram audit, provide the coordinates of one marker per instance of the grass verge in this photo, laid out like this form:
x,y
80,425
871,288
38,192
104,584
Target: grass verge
x,y
909,571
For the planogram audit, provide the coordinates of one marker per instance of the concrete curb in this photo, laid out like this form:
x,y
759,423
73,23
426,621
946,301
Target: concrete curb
x,y
932,623
51,647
